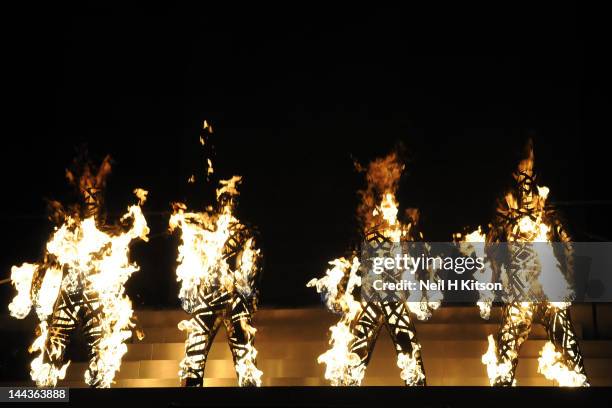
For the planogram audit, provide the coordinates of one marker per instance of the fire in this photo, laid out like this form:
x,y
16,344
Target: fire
x,y
342,366
497,369
22,276
502,367
378,212
552,365
411,371
204,235
81,254
218,259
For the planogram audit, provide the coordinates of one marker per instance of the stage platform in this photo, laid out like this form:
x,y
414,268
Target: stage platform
x,y
289,341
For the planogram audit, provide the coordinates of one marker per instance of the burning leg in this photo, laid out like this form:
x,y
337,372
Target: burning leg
x,y
501,358
365,331
48,368
201,330
96,375
241,337
403,334
561,359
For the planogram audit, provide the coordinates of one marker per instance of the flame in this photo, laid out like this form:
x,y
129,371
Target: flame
x,y
497,369
378,206
342,366
551,365
202,265
204,236
42,373
22,276
500,368
247,371
101,260
411,369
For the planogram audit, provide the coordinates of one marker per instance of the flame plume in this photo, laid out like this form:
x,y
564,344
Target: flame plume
x,y
352,339
86,266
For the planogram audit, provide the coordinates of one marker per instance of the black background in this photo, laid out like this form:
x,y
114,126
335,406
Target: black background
x,y
294,95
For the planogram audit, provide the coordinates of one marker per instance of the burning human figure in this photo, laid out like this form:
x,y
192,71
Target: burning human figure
x,y
81,282
530,228
218,268
353,338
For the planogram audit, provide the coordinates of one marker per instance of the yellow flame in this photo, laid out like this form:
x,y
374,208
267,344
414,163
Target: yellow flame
x,y
342,366
411,369
551,365
21,276
496,369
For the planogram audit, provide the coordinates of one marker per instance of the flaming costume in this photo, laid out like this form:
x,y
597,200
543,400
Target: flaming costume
x,y
218,270
353,338
523,219
81,280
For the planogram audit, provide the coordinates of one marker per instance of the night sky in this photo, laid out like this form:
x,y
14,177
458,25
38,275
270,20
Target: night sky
x,y
295,96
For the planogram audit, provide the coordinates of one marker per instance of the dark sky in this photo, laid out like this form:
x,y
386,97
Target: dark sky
x,y
294,95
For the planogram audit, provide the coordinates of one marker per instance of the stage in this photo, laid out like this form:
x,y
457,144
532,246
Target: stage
x,y
290,340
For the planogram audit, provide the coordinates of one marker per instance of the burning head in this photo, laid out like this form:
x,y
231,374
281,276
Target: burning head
x,y
378,206
90,182
526,198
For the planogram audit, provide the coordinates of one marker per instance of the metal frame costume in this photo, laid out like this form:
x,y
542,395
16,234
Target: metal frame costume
x,y
395,317
81,283
353,338
518,317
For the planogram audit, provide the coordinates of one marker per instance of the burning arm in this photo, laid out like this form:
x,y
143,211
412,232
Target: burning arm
x,y
475,244
22,278
331,286
29,280
247,269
